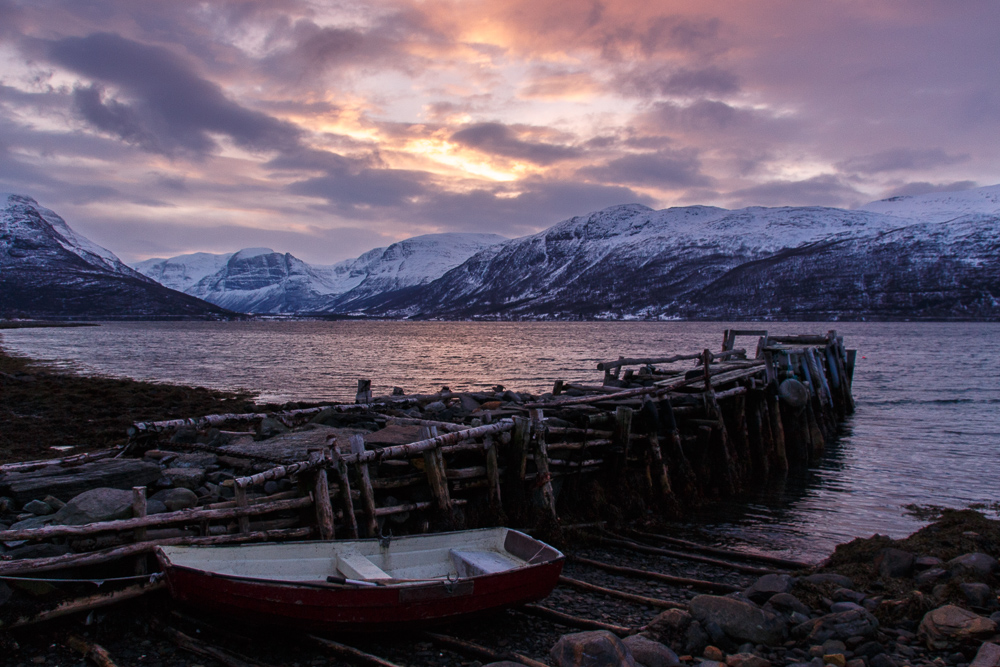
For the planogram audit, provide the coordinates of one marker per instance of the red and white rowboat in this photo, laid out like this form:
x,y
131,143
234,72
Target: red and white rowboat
x,y
365,585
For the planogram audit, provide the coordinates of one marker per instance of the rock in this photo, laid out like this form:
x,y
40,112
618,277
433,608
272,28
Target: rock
x,y
7,505
869,649
188,478
978,594
38,508
931,576
831,646
435,407
670,628
838,580
838,625
847,595
837,607
195,460
270,487
596,648
39,550
697,638
649,653
270,427
988,656
468,403
950,625
66,483
835,659
995,617
5,593
856,662
741,621
882,660
175,499
714,653
921,563
769,585
95,505
155,507
894,563
786,603
33,522
747,660
505,663
976,564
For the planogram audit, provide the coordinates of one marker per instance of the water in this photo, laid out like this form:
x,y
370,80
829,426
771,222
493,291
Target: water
x,y
926,430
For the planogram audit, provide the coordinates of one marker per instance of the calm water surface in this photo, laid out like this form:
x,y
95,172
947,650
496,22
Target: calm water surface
x,y
926,431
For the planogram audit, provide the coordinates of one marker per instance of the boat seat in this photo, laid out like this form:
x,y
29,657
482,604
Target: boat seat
x,y
356,566
475,563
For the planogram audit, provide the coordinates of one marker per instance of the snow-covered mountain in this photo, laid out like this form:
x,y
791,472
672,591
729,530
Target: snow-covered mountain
x,y
259,280
935,256
48,270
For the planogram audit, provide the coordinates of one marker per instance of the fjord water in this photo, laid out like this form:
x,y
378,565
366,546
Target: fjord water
x,y
926,430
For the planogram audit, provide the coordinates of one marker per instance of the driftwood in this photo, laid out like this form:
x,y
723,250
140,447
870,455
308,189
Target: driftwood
x,y
575,621
682,555
700,584
622,361
91,651
350,653
202,648
85,604
180,516
729,553
28,466
610,592
401,451
477,651
33,565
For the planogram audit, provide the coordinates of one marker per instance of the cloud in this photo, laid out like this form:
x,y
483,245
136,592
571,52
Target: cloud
x,y
681,82
923,188
172,108
823,190
899,159
500,139
663,169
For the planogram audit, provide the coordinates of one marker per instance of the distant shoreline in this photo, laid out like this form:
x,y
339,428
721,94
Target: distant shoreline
x,y
41,324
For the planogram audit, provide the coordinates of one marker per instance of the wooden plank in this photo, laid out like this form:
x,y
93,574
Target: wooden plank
x,y
321,495
365,482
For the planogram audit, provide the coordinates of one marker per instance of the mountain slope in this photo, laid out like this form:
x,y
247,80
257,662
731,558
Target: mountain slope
x,y
888,260
260,280
49,271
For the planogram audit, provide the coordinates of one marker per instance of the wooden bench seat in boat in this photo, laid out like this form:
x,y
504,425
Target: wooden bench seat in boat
x,y
354,565
474,563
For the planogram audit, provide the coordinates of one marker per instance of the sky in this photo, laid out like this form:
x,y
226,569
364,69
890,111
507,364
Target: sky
x,y
327,128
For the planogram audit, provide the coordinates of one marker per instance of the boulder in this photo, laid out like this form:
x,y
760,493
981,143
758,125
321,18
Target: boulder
x,y
596,648
649,653
175,499
821,578
930,576
435,407
270,427
65,483
747,660
669,627
38,508
838,625
844,606
979,565
741,621
95,505
769,585
894,563
988,656
978,594
38,550
714,653
195,460
786,603
155,507
950,626
926,562
188,478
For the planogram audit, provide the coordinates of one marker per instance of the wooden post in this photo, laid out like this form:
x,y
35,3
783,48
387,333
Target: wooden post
x,y
492,469
620,437
544,479
365,482
139,535
240,492
688,485
660,469
364,394
321,495
346,500
437,475
516,466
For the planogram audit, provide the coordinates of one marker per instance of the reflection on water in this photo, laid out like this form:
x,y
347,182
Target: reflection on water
x,y
926,431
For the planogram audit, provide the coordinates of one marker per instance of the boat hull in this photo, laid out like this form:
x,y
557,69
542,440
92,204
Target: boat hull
x,y
359,609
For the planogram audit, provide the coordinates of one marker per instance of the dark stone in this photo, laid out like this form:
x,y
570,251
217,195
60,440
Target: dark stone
x,y
882,660
649,653
978,594
596,648
270,487
741,621
987,656
155,507
5,593
931,576
847,595
838,625
95,505
830,578
670,627
696,639
838,607
66,483
786,603
270,427
40,550
894,563
869,649
38,508
921,563
975,564
176,499
769,585
185,435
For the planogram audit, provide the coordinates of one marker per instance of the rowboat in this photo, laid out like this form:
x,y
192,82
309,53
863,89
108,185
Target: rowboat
x,y
364,585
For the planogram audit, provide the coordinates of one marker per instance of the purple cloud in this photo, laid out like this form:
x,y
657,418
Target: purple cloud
x,y
665,169
499,139
899,159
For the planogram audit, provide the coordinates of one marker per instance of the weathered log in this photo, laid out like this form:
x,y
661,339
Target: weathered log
x,y
610,592
180,516
441,426
33,565
544,479
351,654
405,451
347,499
240,492
437,474
91,651
729,553
699,584
571,621
477,651
365,483
620,437
29,466
84,604
204,649
281,495
517,453
682,555
611,365
321,494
